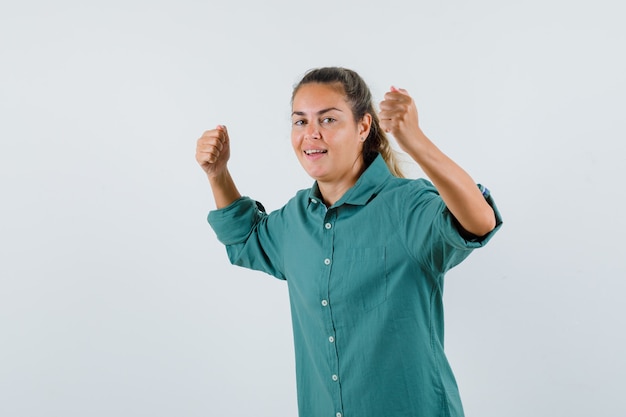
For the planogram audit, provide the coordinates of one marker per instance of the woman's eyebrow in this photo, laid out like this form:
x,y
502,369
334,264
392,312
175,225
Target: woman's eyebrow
x,y
301,113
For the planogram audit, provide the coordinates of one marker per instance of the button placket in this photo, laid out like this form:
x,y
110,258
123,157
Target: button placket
x,y
328,239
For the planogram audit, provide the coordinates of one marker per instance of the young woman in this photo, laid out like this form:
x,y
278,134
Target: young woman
x,y
364,251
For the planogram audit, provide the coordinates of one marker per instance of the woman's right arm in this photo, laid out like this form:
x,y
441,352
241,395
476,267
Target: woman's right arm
x,y
212,154
243,227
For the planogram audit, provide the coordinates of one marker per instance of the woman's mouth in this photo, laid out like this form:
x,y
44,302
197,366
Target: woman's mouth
x,y
314,151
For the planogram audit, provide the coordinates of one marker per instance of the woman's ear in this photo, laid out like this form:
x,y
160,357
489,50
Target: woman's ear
x,y
364,125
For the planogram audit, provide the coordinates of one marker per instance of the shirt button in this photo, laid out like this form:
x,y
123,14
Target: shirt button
x,y
335,377
331,339
338,414
326,261
324,303
328,225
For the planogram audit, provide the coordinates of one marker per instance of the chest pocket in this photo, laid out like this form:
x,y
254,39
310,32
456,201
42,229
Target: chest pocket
x,y
363,282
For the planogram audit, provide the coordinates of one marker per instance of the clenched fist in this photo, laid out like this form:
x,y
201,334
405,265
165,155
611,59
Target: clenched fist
x,y
213,151
398,116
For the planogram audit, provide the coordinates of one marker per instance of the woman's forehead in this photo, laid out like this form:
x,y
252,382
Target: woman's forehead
x,y
313,95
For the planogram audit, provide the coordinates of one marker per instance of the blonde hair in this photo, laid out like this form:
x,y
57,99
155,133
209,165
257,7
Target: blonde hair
x,y
360,98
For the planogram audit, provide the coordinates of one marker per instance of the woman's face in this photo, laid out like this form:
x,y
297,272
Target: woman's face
x,y
326,138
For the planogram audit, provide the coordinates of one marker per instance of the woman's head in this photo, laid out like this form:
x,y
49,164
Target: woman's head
x,y
358,96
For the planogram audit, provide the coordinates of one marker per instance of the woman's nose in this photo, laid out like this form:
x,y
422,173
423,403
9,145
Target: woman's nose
x,y
312,132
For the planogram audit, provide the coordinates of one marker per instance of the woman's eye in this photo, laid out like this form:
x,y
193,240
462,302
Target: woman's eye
x,y
327,120
298,123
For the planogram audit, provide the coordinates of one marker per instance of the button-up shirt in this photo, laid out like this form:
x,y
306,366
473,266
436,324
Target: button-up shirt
x,y
365,279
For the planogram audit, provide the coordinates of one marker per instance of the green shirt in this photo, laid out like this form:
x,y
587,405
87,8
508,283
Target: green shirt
x,y
365,279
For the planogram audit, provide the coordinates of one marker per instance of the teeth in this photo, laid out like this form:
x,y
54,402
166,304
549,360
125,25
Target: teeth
x,y
312,151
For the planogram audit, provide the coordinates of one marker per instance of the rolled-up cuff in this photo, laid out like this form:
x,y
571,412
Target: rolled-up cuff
x,y
233,223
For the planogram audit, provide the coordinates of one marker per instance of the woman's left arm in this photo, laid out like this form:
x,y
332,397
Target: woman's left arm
x,y
398,116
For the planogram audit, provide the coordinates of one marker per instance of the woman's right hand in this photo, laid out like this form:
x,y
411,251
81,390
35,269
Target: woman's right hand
x,y
213,151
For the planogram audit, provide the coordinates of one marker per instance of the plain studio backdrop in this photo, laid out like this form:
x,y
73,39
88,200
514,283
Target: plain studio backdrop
x,y
117,299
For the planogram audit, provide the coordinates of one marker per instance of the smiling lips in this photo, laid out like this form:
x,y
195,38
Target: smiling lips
x,y
314,151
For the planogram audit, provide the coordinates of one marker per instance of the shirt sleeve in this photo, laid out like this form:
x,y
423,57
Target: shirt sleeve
x,y
243,227
432,232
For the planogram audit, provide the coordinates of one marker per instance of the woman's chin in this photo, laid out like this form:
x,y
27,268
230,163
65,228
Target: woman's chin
x,y
315,172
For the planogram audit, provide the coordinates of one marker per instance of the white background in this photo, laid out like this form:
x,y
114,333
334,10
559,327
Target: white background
x,y
117,299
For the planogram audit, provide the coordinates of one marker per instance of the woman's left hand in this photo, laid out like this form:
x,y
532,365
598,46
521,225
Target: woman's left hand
x,y
398,116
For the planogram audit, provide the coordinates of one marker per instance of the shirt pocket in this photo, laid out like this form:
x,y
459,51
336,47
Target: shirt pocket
x,y
365,281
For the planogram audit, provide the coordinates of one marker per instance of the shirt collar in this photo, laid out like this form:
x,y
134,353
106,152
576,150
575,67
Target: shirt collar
x,y
365,187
